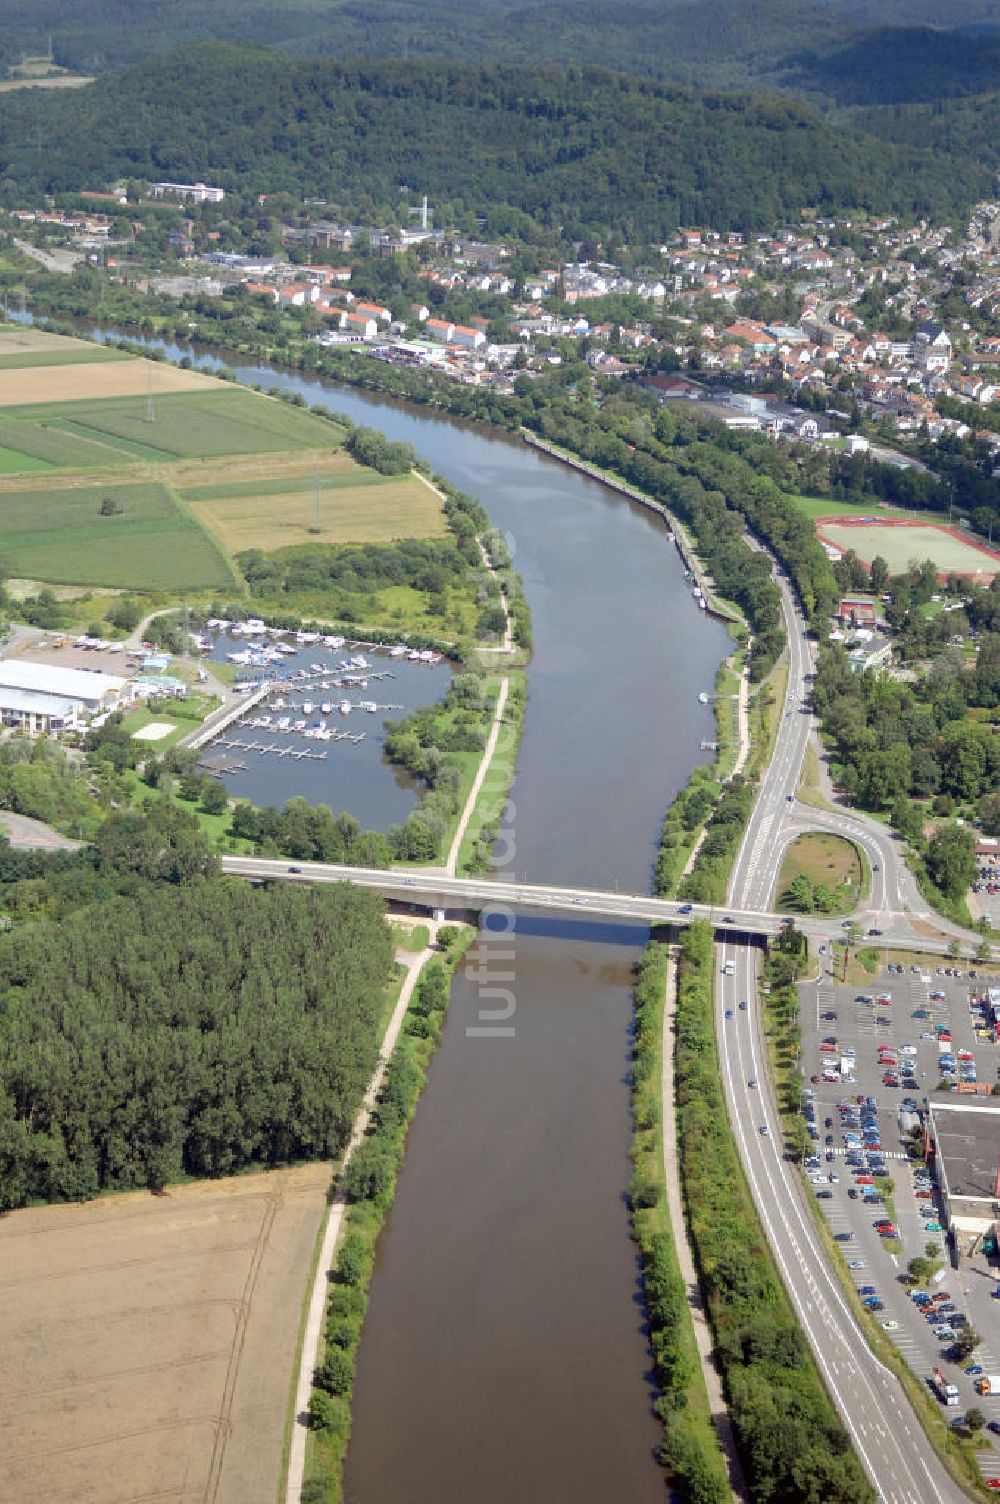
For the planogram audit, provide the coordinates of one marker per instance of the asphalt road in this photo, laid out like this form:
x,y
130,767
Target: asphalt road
x,y
886,1434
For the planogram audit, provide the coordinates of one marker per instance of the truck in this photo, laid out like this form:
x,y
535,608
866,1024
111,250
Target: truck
x,y
946,1393
988,1383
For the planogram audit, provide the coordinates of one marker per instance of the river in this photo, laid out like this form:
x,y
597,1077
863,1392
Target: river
x,y
504,1355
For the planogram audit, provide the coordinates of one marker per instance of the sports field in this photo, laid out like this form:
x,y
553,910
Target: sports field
x,y
900,542
362,507
147,1342
60,536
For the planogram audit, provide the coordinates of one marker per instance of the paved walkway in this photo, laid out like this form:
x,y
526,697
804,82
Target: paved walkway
x,y
321,1283
33,835
685,1256
480,778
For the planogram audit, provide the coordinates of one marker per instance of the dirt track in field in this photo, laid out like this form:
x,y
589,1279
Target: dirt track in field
x,y
147,1343
78,383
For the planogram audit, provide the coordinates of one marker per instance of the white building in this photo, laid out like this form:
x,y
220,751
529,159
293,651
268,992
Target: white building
x,y
198,193
42,697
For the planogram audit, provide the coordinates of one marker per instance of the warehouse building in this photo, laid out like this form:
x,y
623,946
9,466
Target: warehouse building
x,y
44,699
964,1142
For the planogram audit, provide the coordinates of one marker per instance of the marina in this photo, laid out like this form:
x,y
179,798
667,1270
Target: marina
x,y
309,716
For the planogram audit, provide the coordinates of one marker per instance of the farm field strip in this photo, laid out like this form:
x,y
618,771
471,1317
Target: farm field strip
x,y
84,354
146,1347
90,381
361,513
61,536
347,475
52,445
209,423
29,339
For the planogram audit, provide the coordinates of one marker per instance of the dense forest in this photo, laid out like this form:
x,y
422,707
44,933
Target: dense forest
x,y
185,1030
803,47
575,152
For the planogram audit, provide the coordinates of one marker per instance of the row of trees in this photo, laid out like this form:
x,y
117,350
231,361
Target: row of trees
x,y
185,1030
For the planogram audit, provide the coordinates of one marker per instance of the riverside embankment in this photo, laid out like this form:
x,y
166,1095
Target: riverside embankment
x,y
504,1353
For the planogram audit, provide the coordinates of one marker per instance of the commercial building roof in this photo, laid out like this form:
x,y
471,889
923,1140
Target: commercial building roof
x,y
30,702
968,1141
89,685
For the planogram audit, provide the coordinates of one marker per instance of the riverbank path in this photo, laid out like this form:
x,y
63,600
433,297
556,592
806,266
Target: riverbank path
x,y
335,1217
480,778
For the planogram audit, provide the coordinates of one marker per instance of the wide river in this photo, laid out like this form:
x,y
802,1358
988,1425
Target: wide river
x,y
504,1355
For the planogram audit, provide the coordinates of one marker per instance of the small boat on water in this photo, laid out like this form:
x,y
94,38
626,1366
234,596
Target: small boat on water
x,y
344,707
326,707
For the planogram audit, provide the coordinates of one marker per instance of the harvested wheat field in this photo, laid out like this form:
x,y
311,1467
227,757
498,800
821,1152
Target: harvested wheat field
x,y
116,378
147,1342
25,338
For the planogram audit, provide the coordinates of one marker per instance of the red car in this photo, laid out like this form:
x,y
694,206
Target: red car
x,y
925,1195
864,1180
828,1048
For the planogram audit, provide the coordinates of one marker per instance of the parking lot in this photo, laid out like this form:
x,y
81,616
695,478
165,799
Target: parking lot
x,y
871,1056
984,898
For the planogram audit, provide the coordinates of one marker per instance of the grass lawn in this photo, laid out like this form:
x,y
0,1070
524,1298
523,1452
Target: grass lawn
x,y
411,938
137,720
210,421
364,508
824,859
60,536
826,506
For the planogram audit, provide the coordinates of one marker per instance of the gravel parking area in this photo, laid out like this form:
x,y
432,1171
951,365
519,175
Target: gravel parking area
x,y
860,1124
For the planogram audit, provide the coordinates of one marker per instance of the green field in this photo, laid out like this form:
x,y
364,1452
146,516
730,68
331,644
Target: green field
x,y
60,537
825,506
188,425
73,355
38,439
12,462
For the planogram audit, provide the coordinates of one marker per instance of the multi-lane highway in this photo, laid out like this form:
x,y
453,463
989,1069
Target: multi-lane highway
x,y
886,1434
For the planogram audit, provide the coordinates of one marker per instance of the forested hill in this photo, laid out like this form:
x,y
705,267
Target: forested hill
x,y
820,49
598,154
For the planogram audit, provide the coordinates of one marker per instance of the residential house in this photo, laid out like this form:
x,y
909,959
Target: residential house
x,y
360,324
467,337
439,329
932,347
